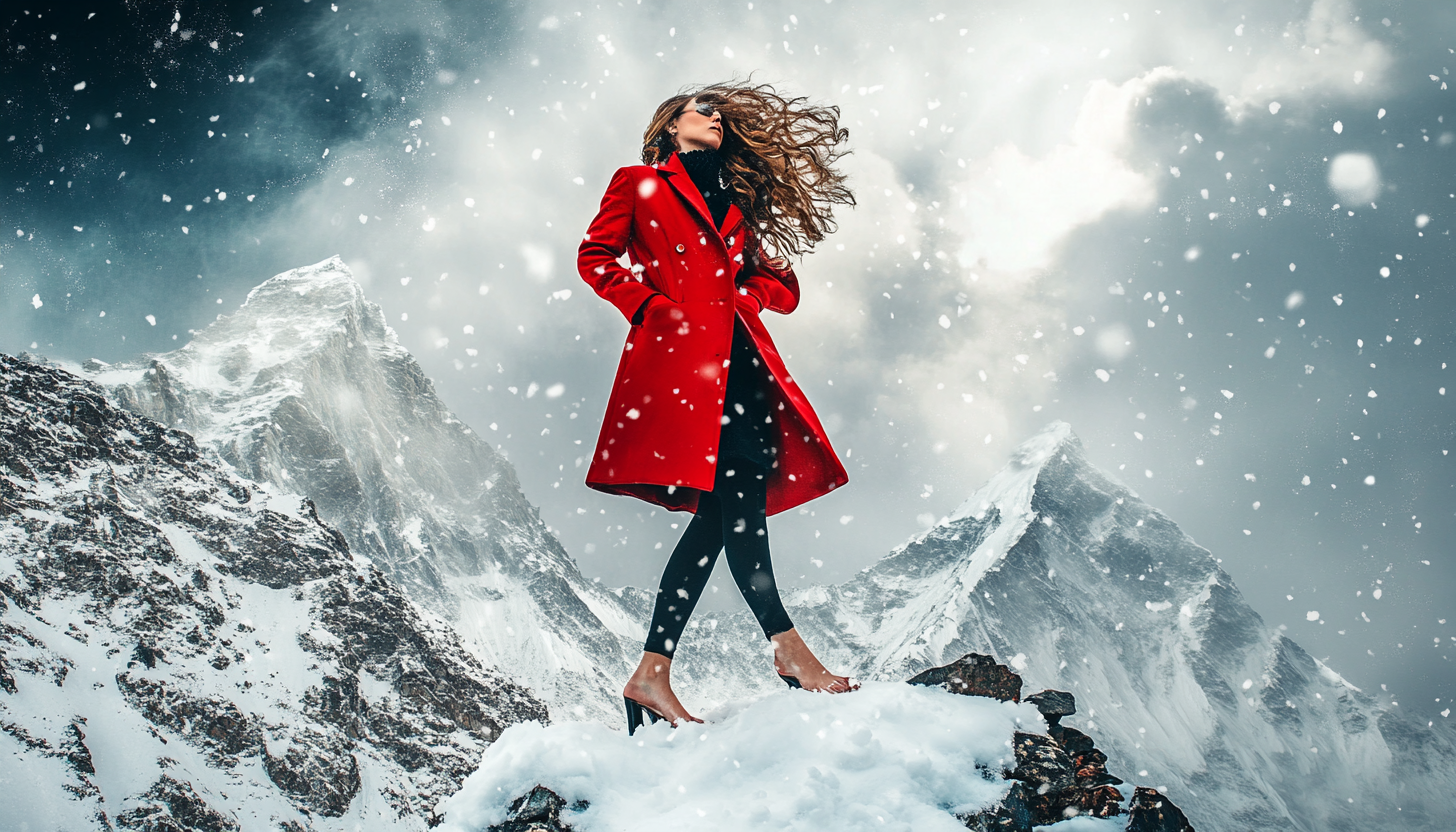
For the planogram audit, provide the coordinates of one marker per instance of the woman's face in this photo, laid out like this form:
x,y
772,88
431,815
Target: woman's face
x,y
696,131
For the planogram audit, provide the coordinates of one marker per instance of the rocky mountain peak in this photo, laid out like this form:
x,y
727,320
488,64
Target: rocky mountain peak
x,y
1009,491
305,387
288,324
323,284
1085,588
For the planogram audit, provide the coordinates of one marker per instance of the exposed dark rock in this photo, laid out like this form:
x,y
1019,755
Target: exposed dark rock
x,y
1058,775
211,722
1056,787
1100,802
78,756
973,675
274,555
1041,764
1091,769
1152,811
1071,739
338,702
173,806
538,810
1053,704
147,654
318,771
1013,814
7,681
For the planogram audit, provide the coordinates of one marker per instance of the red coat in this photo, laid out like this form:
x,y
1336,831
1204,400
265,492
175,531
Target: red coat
x,y
659,438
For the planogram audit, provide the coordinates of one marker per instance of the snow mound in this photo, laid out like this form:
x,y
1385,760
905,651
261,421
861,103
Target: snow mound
x,y
888,757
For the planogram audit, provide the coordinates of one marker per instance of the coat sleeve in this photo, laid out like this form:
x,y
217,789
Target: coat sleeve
x,y
776,289
605,241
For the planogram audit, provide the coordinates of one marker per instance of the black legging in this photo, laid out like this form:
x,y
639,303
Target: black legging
x,y
731,517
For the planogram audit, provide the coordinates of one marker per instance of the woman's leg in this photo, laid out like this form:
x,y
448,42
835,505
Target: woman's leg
x,y
683,580
685,576
743,500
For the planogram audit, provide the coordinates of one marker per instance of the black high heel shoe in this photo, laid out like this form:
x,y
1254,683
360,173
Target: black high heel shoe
x,y
635,710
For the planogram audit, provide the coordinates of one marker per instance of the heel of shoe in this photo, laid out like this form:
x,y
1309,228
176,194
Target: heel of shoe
x,y
791,681
635,712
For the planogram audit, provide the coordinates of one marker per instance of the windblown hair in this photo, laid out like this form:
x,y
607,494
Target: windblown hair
x,y
779,154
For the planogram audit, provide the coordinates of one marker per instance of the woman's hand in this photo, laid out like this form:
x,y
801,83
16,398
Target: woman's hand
x,y
647,304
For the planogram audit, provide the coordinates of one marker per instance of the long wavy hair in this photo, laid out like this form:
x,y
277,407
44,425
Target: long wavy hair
x,y
779,153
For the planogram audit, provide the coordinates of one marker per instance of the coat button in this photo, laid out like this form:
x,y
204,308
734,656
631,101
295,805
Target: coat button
x,y
681,248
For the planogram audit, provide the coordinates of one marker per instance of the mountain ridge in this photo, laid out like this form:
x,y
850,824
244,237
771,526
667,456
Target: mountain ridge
x,y
307,387
1052,565
183,648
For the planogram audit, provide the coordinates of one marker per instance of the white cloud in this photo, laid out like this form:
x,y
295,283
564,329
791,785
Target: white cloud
x,y
1018,209
1326,51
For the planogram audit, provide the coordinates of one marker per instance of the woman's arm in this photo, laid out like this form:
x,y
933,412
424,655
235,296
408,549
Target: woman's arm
x,y
605,241
775,288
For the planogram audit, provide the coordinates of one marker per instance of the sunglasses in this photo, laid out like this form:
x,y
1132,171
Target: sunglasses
x,y
703,109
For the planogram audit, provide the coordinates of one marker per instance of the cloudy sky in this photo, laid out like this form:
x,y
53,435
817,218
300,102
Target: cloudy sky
x,y
1212,236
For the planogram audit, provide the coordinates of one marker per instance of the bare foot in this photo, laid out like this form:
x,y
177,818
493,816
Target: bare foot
x,y
651,685
792,657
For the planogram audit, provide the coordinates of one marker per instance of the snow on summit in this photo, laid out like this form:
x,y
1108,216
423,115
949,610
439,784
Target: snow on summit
x,y
234,369
1009,492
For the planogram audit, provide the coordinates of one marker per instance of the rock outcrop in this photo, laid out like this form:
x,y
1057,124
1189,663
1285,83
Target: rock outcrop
x,y
1059,774
973,675
1152,812
538,810
206,646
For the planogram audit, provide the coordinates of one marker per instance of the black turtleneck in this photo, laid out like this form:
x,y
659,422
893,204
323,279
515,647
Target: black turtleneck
x,y
705,167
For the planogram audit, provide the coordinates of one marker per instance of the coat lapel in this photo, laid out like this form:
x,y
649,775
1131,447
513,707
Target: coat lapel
x,y
677,176
731,219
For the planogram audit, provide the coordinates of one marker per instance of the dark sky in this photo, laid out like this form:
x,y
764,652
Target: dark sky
x,y
1037,182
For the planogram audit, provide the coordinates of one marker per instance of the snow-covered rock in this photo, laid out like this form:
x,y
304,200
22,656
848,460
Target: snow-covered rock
x,y
890,756
181,648
308,389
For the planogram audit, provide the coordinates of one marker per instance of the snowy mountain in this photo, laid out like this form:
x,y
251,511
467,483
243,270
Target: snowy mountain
x,y
308,389
1052,566
181,648
1085,588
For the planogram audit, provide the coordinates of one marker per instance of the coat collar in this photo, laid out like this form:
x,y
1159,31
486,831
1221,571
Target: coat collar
x,y
677,176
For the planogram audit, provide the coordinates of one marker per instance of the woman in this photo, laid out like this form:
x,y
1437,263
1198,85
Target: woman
x,y
703,417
